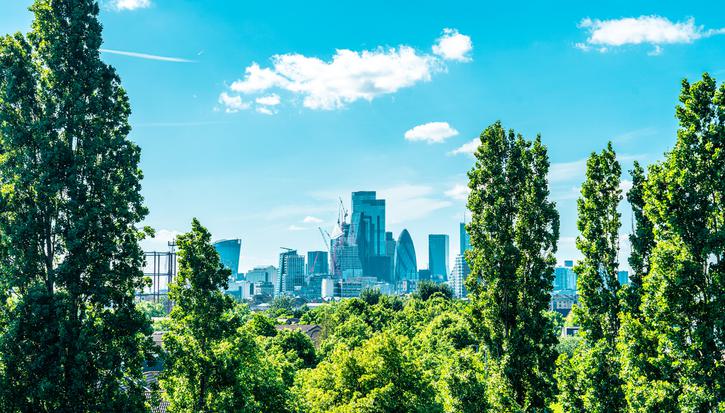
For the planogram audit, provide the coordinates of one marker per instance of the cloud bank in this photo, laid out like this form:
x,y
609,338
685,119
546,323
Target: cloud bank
x,y
349,76
604,35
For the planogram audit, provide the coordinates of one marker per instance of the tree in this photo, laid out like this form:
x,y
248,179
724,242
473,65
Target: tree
x,y
376,377
673,352
514,229
211,363
594,366
641,240
427,288
69,205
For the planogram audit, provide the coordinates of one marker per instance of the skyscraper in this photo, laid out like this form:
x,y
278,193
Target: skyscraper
x,y
229,251
438,256
291,272
406,265
465,239
458,276
390,253
368,231
317,263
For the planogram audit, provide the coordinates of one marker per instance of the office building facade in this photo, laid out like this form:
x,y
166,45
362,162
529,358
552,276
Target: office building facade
x,y
438,257
458,277
317,263
465,244
229,251
406,264
291,272
368,232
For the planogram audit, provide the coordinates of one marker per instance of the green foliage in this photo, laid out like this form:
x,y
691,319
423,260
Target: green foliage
x,y
589,379
426,289
261,325
71,338
370,295
286,306
151,309
212,364
376,377
514,229
673,351
641,240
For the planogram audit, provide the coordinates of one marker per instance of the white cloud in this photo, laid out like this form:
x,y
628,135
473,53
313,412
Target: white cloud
x,y
566,171
232,103
453,46
458,192
265,111
312,220
468,148
351,75
269,100
406,203
130,4
431,132
653,30
147,56
257,80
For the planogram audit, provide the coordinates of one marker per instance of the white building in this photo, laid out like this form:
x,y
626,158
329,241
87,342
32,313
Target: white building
x,y
458,276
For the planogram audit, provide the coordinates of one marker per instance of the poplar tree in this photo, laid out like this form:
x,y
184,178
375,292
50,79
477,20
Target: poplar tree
x,y
673,354
211,364
589,381
641,241
70,201
514,229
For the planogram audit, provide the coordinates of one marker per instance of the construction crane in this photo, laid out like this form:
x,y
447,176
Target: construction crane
x,y
328,244
287,249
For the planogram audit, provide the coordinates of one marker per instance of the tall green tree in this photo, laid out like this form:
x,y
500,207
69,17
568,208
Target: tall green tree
x,y
211,364
514,229
69,205
673,353
641,240
589,380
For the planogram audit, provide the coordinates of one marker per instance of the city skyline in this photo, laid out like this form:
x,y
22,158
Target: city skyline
x,y
271,180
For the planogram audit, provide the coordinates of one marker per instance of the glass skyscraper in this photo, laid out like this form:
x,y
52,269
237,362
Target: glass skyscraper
x,y
406,265
317,263
368,232
465,239
291,272
229,251
438,256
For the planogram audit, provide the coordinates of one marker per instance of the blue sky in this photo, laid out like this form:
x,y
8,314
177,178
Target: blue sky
x,y
255,116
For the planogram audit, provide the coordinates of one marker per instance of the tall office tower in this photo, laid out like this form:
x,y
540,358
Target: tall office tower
x,y
317,263
465,239
406,265
291,272
229,251
390,253
458,276
438,256
345,256
564,277
368,231
423,274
